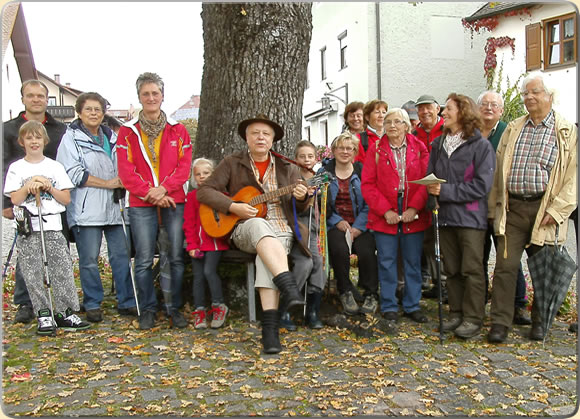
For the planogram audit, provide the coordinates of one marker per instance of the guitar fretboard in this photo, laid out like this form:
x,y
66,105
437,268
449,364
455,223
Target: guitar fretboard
x,y
268,196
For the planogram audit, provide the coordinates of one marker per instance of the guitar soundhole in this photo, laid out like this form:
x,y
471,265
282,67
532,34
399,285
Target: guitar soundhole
x,y
216,216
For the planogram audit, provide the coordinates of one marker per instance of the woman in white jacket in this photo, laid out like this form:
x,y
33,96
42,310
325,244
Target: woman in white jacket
x,y
87,151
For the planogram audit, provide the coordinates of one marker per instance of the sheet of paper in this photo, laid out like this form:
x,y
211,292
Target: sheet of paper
x,y
348,237
428,180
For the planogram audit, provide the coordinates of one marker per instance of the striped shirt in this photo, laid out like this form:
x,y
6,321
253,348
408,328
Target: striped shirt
x,y
275,216
534,157
400,156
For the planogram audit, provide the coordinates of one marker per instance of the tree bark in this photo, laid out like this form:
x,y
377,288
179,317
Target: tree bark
x,y
255,61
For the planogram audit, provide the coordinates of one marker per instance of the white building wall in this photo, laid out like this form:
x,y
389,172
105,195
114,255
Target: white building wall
x,y
11,82
565,80
424,49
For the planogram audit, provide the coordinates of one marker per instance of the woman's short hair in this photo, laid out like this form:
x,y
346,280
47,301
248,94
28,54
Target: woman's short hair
x,y
148,77
83,97
344,138
303,143
371,106
404,116
351,108
32,127
468,114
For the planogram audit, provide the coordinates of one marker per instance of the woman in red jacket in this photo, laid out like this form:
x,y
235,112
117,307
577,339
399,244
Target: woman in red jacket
x,y
154,159
397,214
374,113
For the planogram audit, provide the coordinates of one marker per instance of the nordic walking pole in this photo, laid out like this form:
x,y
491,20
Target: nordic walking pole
x,y
438,265
122,209
7,263
44,258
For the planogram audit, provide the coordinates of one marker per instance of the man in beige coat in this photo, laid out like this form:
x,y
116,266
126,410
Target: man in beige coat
x,y
534,191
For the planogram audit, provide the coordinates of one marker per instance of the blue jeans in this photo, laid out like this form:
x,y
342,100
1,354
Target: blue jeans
x,y
411,246
205,269
144,227
88,240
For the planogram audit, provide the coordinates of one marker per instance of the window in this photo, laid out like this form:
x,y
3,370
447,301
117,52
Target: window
x,y
324,131
560,41
307,133
342,42
7,73
51,101
323,63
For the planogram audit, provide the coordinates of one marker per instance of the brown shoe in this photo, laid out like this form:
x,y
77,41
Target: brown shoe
x,y
497,334
537,332
521,316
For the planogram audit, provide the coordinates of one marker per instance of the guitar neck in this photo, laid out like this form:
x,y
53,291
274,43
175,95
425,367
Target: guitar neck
x,y
269,196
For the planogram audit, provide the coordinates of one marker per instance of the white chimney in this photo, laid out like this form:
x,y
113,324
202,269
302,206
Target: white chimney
x,y
57,78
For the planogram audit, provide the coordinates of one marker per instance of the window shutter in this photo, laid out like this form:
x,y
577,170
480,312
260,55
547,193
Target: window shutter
x,y
533,46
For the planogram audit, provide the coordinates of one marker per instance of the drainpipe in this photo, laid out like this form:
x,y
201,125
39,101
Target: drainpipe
x,y
378,32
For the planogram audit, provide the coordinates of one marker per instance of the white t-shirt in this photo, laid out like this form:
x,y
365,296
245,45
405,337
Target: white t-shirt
x,y
21,171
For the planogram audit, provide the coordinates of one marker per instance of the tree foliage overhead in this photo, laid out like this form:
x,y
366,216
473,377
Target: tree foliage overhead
x,y
255,61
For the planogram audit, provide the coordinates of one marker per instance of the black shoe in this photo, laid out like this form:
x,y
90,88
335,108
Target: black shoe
x,y
131,311
497,334
147,320
451,324
521,316
45,324
70,322
25,314
537,332
289,294
417,316
95,315
573,328
177,320
286,322
312,310
391,316
270,332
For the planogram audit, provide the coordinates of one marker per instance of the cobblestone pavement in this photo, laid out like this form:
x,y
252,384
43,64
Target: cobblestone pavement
x,y
115,369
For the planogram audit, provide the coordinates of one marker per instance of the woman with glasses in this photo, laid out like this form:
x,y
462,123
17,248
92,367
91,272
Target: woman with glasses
x,y
88,153
397,214
346,220
466,160
374,117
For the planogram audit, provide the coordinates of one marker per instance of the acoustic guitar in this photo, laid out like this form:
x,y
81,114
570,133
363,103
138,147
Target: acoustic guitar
x,y
218,224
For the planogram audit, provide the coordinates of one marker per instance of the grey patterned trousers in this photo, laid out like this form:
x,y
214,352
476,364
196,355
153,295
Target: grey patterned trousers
x,y
60,271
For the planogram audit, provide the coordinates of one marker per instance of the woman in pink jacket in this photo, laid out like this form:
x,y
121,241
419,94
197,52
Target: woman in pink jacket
x,y
205,252
397,214
154,159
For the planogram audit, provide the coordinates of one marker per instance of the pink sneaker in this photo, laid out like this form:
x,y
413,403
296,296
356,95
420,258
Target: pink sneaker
x,y
199,319
219,313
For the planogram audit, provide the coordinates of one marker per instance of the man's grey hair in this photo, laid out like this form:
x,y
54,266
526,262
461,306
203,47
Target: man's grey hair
x,y
546,82
150,78
498,97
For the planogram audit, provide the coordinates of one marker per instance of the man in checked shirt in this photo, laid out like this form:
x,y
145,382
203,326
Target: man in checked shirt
x,y
534,190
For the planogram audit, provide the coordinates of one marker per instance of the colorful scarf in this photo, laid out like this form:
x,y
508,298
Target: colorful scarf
x,y
152,129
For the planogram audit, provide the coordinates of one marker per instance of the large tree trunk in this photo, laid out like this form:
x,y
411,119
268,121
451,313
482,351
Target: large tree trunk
x,y
255,61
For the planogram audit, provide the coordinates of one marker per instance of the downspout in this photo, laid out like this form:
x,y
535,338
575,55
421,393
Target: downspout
x,y
378,32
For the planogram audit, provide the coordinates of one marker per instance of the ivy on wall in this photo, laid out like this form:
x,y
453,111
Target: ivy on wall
x,y
490,48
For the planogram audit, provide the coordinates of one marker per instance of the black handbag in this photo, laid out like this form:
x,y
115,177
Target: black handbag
x,y
23,219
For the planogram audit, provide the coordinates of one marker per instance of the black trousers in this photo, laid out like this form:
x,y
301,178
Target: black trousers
x,y
364,247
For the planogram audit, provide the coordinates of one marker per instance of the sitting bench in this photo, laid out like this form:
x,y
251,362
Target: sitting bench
x,y
237,256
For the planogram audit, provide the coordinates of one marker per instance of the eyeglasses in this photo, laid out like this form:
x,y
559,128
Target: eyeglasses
x,y
89,109
396,122
347,149
493,105
534,92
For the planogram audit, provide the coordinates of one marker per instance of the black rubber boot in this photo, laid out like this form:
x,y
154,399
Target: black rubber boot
x,y
312,310
286,322
270,328
289,294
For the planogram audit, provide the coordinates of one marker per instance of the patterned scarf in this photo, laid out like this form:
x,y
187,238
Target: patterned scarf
x,y
152,129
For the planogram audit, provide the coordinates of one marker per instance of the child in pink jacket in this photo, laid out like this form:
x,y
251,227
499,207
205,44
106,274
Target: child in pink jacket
x,y
205,252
